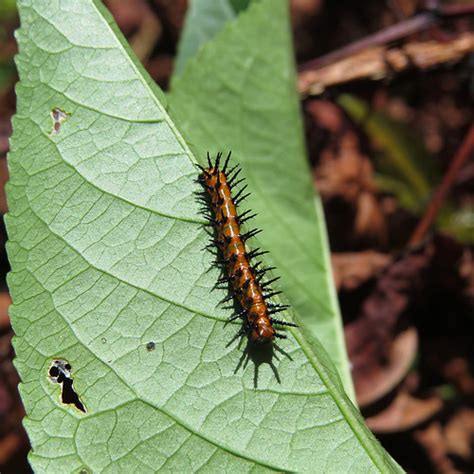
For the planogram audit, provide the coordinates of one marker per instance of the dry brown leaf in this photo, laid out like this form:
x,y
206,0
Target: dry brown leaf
x,y
433,441
405,412
459,434
370,224
352,269
375,380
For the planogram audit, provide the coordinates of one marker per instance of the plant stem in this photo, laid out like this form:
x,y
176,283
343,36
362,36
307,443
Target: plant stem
x,y
462,154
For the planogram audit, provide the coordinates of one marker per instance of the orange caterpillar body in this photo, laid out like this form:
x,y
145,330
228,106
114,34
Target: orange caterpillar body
x,y
244,279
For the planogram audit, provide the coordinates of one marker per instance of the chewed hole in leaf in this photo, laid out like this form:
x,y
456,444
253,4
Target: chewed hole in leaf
x,y
60,373
59,117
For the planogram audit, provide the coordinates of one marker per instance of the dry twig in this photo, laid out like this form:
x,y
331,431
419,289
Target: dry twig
x,y
463,153
378,62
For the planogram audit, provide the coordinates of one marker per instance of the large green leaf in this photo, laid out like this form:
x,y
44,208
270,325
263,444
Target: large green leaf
x,y
240,94
108,273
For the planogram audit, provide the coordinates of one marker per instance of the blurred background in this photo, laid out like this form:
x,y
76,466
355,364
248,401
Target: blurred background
x,y
387,91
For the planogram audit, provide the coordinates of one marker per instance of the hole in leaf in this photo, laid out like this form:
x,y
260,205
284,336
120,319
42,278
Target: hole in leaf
x,y
58,118
60,372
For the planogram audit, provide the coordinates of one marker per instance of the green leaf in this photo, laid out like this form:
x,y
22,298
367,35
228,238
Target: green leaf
x,y
203,20
7,10
239,94
240,5
106,252
405,166
457,222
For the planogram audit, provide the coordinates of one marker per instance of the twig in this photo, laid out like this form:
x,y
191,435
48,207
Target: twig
x,y
427,220
456,9
395,32
378,62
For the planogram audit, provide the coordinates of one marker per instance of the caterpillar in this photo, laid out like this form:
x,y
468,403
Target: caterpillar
x,y
243,278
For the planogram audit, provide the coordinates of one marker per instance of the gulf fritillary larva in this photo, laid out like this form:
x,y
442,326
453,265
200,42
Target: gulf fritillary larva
x,y
244,279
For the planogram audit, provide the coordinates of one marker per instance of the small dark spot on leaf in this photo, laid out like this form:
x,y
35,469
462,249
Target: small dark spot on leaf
x,y
103,340
150,346
60,373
